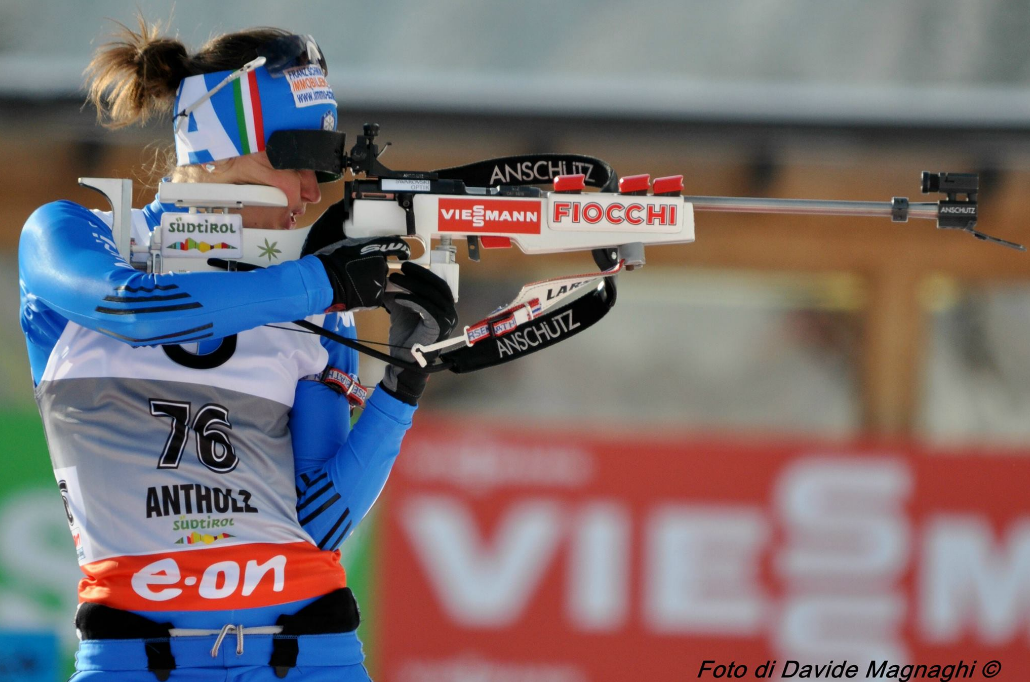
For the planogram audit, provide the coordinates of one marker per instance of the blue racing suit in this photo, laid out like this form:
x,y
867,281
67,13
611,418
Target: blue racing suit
x,y
209,486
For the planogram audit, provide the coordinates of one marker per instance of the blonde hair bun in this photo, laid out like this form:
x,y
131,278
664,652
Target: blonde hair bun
x,y
136,75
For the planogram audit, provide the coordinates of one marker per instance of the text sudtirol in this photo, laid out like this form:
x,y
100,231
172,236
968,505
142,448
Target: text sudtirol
x,y
205,226
207,235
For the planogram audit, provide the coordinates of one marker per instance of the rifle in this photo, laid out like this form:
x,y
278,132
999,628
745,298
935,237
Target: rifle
x,y
495,204
492,204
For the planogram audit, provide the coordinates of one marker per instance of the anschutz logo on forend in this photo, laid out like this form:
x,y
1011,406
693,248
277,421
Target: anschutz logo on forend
x,y
965,210
531,337
510,216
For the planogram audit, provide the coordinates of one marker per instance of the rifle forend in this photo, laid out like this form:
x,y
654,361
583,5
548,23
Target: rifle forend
x,y
534,221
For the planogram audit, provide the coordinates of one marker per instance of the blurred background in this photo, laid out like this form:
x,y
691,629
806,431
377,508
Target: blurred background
x,y
798,438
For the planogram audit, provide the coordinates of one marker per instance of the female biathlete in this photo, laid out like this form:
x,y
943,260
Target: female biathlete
x,y
203,448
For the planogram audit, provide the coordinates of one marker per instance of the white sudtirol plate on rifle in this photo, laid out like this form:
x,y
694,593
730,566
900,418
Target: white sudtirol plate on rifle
x,y
185,241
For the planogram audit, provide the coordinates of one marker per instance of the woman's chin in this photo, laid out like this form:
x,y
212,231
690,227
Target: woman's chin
x,y
285,224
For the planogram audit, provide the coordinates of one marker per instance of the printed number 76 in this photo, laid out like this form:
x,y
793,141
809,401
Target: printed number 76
x,y
213,447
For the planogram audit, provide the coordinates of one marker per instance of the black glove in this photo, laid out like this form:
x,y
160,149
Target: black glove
x,y
357,270
425,315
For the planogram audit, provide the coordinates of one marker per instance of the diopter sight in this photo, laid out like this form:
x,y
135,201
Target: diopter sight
x,y
951,184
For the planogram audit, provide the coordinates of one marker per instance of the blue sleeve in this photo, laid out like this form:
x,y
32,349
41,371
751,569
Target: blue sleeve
x,y
320,418
341,471
69,269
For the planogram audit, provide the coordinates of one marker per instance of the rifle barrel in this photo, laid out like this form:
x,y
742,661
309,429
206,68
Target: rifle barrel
x,y
880,209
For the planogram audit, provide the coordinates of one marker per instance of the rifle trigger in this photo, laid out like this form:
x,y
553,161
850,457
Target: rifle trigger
x,y
473,242
406,201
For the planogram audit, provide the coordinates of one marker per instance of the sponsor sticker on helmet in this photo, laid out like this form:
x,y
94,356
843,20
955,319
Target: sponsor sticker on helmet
x,y
309,86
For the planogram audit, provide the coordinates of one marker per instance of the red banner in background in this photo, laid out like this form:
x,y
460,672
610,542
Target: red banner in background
x,y
516,555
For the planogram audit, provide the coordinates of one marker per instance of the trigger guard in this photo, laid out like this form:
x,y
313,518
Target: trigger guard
x,y
422,260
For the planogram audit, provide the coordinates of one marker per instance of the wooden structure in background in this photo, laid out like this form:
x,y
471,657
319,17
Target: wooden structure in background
x,y
892,259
